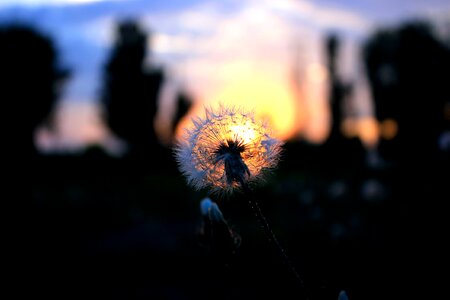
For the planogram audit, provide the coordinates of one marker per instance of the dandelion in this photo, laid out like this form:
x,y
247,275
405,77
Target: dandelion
x,y
225,149
228,150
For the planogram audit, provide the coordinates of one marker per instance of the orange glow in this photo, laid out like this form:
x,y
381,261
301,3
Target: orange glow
x,y
388,129
270,97
368,131
316,129
246,132
349,127
366,128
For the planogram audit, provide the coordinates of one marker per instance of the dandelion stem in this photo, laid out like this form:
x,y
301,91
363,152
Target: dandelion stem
x,y
270,235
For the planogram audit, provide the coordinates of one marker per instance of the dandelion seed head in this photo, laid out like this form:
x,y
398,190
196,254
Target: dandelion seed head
x,y
226,147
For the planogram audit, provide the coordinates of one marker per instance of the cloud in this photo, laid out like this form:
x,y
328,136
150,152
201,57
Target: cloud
x,y
33,3
231,49
319,15
266,34
206,45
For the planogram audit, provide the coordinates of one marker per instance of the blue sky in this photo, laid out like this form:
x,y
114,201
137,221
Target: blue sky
x,y
80,29
83,29
206,45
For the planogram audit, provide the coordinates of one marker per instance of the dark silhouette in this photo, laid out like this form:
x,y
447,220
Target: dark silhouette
x,y
408,69
340,152
103,229
30,74
31,78
373,220
339,90
131,93
216,234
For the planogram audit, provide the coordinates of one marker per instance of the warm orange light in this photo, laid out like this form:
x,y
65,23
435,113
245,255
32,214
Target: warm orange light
x,y
349,127
244,132
271,98
364,127
388,129
368,130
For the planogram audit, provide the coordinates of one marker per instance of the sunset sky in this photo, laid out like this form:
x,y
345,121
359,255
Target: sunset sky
x,y
261,54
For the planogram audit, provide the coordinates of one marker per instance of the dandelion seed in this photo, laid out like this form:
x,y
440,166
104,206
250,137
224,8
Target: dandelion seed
x,y
226,148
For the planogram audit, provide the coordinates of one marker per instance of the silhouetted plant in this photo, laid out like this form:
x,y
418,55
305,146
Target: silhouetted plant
x,y
230,150
215,232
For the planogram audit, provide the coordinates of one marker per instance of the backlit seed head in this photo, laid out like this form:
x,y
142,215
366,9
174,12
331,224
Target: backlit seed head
x,y
225,149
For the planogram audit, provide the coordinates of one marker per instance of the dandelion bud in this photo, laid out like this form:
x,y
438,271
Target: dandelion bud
x,y
215,232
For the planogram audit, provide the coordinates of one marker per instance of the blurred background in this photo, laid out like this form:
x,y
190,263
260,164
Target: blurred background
x,y
358,91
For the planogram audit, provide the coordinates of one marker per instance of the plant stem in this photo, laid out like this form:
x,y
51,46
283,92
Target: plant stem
x,y
270,235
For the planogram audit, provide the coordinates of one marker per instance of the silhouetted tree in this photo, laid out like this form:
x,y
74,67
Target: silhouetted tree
x,y
339,90
30,80
29,73
409,69
131,91
340,153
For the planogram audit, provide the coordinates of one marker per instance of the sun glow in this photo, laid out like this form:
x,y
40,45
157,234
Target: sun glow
x,y
271,100
269,95
243,132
